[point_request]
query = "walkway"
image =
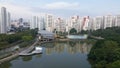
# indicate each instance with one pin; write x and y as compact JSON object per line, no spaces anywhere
{"x":16,"y":54}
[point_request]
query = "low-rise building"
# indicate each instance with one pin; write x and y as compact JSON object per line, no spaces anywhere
{"x":45,"y":35}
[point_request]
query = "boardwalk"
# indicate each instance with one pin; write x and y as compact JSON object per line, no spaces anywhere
{"x":28,"y":50}
{"x":16,"y":54}
{"x":33,"y":52}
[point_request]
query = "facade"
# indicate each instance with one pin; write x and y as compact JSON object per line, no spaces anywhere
{"x":8,"y":21}
{"x":85,"y":23}
{"x":0,"y":23}
{"x":41,"y":23}
{"x":60,"y":25}
{"x":3,"y":24}
{"x":74,"y":22}
{"x":80,"y":24}
{"x":34,"y":22}
{"x":68,"y":24}
{"x":98,"y":22}
{"x":108,"y":20}
{"x":91,"y":24}
{"x":114,"y":21}
{"x":117,"y":20}
{"x":49,"y":21}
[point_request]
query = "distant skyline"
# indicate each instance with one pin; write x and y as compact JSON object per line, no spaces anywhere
{"x":61,"y":8}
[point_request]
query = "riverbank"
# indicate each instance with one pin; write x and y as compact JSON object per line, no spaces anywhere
{"x":16,"y":53}
{"x":66,"y":39}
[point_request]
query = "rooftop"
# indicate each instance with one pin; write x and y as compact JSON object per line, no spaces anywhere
{"x":44,"y":32}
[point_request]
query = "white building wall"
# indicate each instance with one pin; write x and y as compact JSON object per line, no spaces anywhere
{"x":91,"y":23}
{"x":117,"y":22}
{"x":49,"y":22}
{"x":3,"y":23}
{"x":34,"y":22}
{"x":8,"y":21}
{"x":0,"y":23}
{"x":98,"y":22}
{"x":108,"y":21}
{"x":86,"y":23}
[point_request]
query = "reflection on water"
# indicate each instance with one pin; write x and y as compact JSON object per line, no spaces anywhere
{"x":70,"y":54}
{"x":71,"y":47}
{"x":8,"y":50}
{"x":28,"y":58}
{"x":6,"y":65}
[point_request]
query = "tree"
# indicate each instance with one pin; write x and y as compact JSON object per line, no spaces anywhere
{"x":27,"y":38}
{"x":104,"y":51}
{"x":107,"y":50}
{"x":115,"y":64}
{"x":73,"y":31}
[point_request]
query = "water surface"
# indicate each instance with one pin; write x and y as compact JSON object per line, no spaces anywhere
{"x":55,"y":55}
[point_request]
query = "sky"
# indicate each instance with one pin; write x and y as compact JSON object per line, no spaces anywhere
{"x":61,"y":8}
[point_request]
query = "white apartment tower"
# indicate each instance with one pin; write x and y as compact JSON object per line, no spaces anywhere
{"x":0,"y":23}
{"x":98,"y":22}
{"x":49,"y":22}
{"x":91,"y":24}
{"x":75,"y":22}
{"x":41,"y":24}
{"x":61,"y":25}
{"x":108,"y":21}
{"x":8,"y":21}
{"x":85,"y":25}
{"x":34,"y":22}
{"x":117,"y":21}
{"x":3,"y":23}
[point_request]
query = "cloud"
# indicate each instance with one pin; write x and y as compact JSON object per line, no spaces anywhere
{"x":61,"y":5}
{"x":17,"y":11}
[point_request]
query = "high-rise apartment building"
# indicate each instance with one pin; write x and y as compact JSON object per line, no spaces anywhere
{"x":60,"y":25}
{"x":75,"y":22}
{"x":98,"y":22}
{"x":0,"y":23}
{"x":114,"y":21}
{"x":117,"y":20}
{"x":3,"y":23}
{"x":85,"y":25}
{"x":91,"y":24}
{"x":108,"y":21}
{"x":49,"y":21}
{"x":41,"y":23}
{"x":8,"y":21}
{"x":34,"y":22}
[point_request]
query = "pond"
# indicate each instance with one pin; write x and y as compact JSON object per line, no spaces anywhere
{"x":69,"y":54}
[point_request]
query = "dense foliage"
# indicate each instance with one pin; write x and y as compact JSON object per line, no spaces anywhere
{"x":106,"y":53}
{"x":6,"y":39}
{"x":73,"y":31}
{"x":112,"y":33}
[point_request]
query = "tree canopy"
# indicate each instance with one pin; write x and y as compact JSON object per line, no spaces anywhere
{"x":73,"y":31}
{"x":27,"y":35}
{"x":106,"y":53}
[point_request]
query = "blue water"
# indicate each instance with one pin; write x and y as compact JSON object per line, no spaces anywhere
{"x":55,"y":55}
